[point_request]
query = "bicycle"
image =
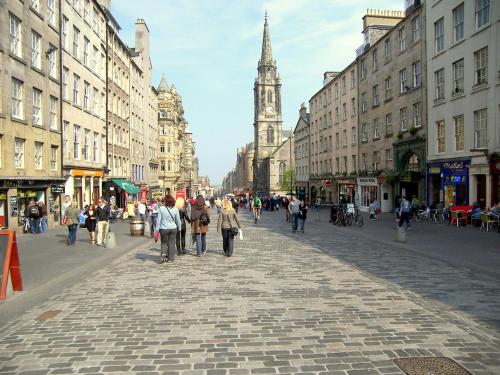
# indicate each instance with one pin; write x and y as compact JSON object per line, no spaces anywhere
{"x":256,"y":214}
{"x":357,"y":218}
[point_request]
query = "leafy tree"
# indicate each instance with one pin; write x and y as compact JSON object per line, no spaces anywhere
{"x":288,"y":180}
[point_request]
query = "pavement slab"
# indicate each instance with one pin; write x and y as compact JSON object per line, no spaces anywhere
{"x":324,"y":302}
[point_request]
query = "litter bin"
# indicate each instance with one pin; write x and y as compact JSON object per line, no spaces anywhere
{"x":136,"y":227}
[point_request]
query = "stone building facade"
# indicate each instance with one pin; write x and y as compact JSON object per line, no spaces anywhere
{"x":463,"y":41}
{"x":392,"y":107}
{"x":83,"y":42}
{"x":30,"y":110}
{"x":301,"y":152}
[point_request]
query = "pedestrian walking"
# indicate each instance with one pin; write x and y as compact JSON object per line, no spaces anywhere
{"x":302,"y":214}
{"x":404,"y":212}
{"x":153,"y":215}
{"x":293,"y":208}
{"x":141,"y":208}
{"x":91,"y":222}
{"x":34,"y":216}
{"x":167,"y":225}
{"x":228,"y":225}
{"x":131,"y":210}
{"x":64,"y":206}
{"x":72,"y":215}
{"x":200,"y":219}
{"x":180,"y":241}
{"x":286,"y":203}
{"x":103,"y":212}
{"x":44,"y":221}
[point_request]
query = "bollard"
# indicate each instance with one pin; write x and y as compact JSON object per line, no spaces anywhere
{"x":110,"y":242}
{"x":401,"y":234}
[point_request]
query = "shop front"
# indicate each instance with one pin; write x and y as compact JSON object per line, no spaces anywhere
{"x":84,"y":186}
{"x":367,"y":191}
{"x":117,"y":191}
{"x":346,"y":190}
{"x":448,"y":182}
{"x":495,"y":182}
{"x":16,"y":195}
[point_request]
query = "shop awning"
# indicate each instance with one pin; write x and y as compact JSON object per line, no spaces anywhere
{"x":126,"y":185}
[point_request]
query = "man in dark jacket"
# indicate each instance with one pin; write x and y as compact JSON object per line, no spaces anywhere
{"x":103,"y":213}
{"x":34,"y":215}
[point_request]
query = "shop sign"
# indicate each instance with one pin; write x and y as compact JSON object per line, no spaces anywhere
{"x":13,"y":205}
{"x":454,"y":180}
{"x":86,"y":173}
{"x":328,"y":183}
{"x":26,"y":193}
{"x":454,"y":165}
{"x":52,"y":210}
{"x":3,"y":196}
{"x":346,"y":182}
{"x":434,"y":170}
{"x":57,"y":189}
{"x":367,"y":181}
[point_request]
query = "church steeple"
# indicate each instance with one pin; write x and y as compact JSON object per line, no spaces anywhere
{"x":266,"y":57}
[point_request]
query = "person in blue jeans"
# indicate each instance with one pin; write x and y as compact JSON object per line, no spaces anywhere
{"x":72,"y":214}
{"x":199,"y":229}
{"x":294,"y":207}
{"x":302,"y":215}
{"x":404,"y":212}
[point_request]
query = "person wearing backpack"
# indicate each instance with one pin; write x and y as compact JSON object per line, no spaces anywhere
{"x":404,"y":212}
{"x":34,"y":216}
{"x":168,"y":224}
{"x":200,"y":219}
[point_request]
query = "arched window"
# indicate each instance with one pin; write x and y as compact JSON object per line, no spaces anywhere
{"x":270,"y":135}
{"x":263,"y":97}
{"x":282,"y":170}
{"x":269,"y":96}
{"x":412,"y":165}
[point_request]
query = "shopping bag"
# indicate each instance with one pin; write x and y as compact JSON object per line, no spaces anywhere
{"x":241,"y":234}
{"x":157,"y":235}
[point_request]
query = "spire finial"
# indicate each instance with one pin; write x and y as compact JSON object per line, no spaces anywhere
{"x":267,"y":55}
{"x":265,"y":17}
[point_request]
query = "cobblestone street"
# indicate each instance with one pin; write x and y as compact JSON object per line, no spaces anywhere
{"x":315,"y":303}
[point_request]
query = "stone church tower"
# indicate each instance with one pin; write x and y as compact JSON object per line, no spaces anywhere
{"x":267,"y":117}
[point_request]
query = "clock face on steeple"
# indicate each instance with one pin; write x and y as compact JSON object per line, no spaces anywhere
{"x":269,"y":109}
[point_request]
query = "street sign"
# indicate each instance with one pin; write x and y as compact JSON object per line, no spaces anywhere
{"x":9,"y":258}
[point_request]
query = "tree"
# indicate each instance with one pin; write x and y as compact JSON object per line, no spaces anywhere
{"x":288,"y":180}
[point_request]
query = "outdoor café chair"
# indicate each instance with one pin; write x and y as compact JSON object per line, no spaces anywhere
{"x":486,"y":221}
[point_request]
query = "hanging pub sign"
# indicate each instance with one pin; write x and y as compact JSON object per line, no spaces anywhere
{"x":57,"y":189}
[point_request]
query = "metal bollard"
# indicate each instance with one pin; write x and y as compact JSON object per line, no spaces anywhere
{"x":110,"y":242}
{"x":401,"y":234}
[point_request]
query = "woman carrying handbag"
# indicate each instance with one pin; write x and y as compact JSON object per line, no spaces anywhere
{"x":228,"y":224}
{"x":167,"y":224}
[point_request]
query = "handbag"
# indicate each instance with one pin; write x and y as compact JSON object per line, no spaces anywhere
{"x":156,"y":235}
{"x":64,"y":220}
{"x":234,"y":231}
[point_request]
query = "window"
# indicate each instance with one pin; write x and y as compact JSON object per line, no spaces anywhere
{"x":86,"y":10}
{"x":270,"y":135}
{"x":353,"y":79}
{"x":162,"y":166}
{"x":35,"y":4}
{"x":36,"y":57}
{"x":76,"y":142}
{"x":95,"y":147}
{"x":375,"y":96}
{"x":403,"y":119}
{"x":76,"y":37}
{"x":53,"y":158}
{"x":169,"y":165}
{"x":374,"y":60}
{"x":65,"y":76}
{"x":439,"y":35}
{"x":481,"y":66}
{"x":86,"y":141}
{"x":52,"y":58}
{"x":344,"y":112}
{"x":344,"y":138}
{"x":376,"y":160}
{"x":458,"y":77}
{"x":388,"y":124}
{"x":354,"y":166}
{"x":282,"y":169}
{"x":387,"y":88}
{"x":337,"y":141}
{"x":336,"y":115}
{"x":439,"y":78}
{"x":480,"y":129}
{"x":482,"y":13}
{"x":415,"y":28}
{"x":51,"y":12}
{"x":353,"y":107}
{"x":86,"y":93}
{"x":66,"y":150}
{"x":402,"y":39}
{"x":459,"y":132}
{"x":343,"y":85}
{"x":440,"y":136}
{"x":103,"y":102}
{"x":363,"y":102}
{"x":458,"y":23}
{"x":17,"y":99}
{"x":103,"y":148}
{"x":95,"y":100}
{"x":38,"y":155}
{"x":76,"y":5}
{"x":162,"y":148}
{"x":53,"y":113}
{"x":403,"y":81}
{"x":417,"y":115}
{"x":95,"y":54}
{"x":363,"y":161}
{"x":162,"y":129}
{"x":336,"y":93}
{"x":76,"y":83}
{"x":363,"y":69}
{"x":388,"y":154}
{"x":19,"y":153}
{"x":417,"y":74}
{"x":376,"y":128}
{"x":387,"y":47}
{"x":15,"y":36}
{"x":354,"y":135}
{"x":269,"y":96}
{"x":86,"y":44}
{"x":64,"y":31}
{"x":364,"y":133}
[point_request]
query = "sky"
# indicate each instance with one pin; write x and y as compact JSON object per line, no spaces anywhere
{"x":209,"y":50}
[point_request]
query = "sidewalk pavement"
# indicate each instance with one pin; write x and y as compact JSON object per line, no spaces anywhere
{"x":49,"y":265}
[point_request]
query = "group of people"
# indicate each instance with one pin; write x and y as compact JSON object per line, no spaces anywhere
{"x":36,"y":220}
{"x":170,"y":227}
{"x":93,"y":218}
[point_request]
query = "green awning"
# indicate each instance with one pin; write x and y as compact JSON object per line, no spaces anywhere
{"x":126,"y":185}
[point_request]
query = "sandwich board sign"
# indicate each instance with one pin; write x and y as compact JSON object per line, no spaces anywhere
{"x":9,"y":263}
